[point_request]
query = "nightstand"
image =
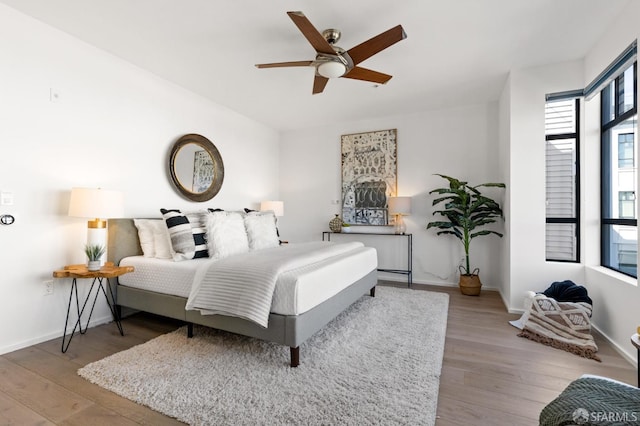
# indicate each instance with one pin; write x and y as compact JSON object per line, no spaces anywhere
{"x":109,"y":270}
{"x":635,"y":341}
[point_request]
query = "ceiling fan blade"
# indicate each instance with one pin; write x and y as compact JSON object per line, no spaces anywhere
{"x":319,"y":84}
{"x":359,"y":73}
{"x":285,"y":64}
{"x":311,"y":33}
{"x":376,"y":44}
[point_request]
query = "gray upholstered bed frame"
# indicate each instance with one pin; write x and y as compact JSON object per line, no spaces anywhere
{"x":289,"y":330}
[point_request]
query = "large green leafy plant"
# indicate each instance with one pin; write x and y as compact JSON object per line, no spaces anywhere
{"x":466,"y":211}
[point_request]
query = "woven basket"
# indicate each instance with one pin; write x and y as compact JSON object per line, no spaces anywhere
{"x":470,"y":284}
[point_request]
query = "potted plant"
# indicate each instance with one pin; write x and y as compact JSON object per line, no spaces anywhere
{"x":346,"y":228}
{"x":467,"y":211}
{"x":94,"y":252}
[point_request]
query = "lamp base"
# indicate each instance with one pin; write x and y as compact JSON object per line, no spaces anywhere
{"x":400,"y":227}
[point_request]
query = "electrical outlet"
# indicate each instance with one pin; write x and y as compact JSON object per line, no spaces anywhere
{"x":48,"y":287}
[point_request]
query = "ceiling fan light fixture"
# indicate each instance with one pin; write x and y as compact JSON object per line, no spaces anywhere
{"x":331,"y":69}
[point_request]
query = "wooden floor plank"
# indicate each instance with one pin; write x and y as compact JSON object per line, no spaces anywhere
{"x":12,"y":412}
{"x":38,"y":393}
{"x":489,"y":374}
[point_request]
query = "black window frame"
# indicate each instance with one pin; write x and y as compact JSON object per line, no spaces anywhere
{"x":605,"y":171}
{"x":576,"y":219}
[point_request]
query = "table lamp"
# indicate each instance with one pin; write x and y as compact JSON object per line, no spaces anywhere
{"x":276,"y":206}
{"x":99,"y":205}
{"x":400,"y":206}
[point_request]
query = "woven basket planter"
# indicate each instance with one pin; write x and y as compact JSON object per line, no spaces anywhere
{"x":470,"y":284}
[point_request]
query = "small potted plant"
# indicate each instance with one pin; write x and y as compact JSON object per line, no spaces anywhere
{"x":466,"y":211}
{"x":346,"y":228}
{"x":94,"y":252}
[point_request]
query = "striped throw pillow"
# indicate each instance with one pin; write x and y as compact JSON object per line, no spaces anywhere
{"x":182,"y":242}
{"x":198,"y":221}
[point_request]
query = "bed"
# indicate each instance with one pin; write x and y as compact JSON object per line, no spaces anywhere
{"x":286,"y":328}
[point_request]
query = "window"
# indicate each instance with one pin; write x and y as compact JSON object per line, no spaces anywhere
{"x":562,"y":180}
{"x":627,"y":204}
{"x":619,"y":136}
{"x":625,"y":150}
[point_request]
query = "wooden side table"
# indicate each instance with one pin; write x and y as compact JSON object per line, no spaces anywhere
{"x":109,"y":270}
{"x":635,"y":340}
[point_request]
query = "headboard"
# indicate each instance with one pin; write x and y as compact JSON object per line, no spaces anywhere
{"x":122,"y":240}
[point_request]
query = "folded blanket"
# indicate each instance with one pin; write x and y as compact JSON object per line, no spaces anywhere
{"x":242,"y":285}
{"x":562,"y":325}
{"x":568,"y":291}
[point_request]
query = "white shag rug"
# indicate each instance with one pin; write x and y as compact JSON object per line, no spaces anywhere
{"x":378,"y":363}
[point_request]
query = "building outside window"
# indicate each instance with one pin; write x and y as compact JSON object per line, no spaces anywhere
{"x":619,"y":137}
{"x":562,"y":180}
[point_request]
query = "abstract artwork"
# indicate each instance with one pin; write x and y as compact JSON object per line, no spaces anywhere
{"x":202,"y":171}
{"x":369,"y":175}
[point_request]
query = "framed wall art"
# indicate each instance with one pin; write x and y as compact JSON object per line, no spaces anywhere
{"x":369,"y":176}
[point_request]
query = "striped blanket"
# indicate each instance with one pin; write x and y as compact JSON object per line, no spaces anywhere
{"x":242,"y":285}
{"x":562,"y":325}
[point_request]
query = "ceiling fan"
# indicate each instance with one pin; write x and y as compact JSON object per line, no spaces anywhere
{"x":332,"y":61}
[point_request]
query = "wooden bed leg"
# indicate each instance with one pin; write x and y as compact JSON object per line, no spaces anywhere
{"x":372,"y":292}
{"x":295,"y":356}
{"x":190,"y":330}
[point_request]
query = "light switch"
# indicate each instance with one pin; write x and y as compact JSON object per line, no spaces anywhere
{"x":6,"y":198}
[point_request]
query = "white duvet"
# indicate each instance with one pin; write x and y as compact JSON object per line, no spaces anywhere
{"x":243,"y":285}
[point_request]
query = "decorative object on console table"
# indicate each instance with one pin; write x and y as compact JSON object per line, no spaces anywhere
{"x":109,"y":270}
{"x":97,"y":204}
{"x":466,"y":211}
{"x":369,"y":175}
{"x":335,"y":224}
{"x":398,"y":207}
{"x":346,"y":228}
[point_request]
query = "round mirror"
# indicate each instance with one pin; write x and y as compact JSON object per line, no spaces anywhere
{"x":196,"y":167}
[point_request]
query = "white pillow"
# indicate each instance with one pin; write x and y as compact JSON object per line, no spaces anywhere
{"x":261,"y":230}
{"x":226,"y":234}
{"x":161,"y":240}
{"x":154,"y":238}
{"x":145,"y":235}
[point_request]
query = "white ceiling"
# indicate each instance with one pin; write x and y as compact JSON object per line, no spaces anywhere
{"x":457,"y":52}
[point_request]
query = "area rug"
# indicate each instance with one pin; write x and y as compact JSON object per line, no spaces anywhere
{"x":377,"y":363}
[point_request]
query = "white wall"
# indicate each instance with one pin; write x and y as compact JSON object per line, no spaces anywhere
{"x":522,"y":104}
{"x":528,"y":269}
{"x":615,"y":296}
{"x":112,"y":127}
{"x":461,"y":142}
{"x":504,"y":134}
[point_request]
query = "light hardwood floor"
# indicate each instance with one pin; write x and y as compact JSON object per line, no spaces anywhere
{"x":489,"y":375}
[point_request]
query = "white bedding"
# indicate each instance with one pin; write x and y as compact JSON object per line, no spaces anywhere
{"x":295,"y":292}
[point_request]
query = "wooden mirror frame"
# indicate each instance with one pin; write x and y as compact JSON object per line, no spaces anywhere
{"x":218,"y":167}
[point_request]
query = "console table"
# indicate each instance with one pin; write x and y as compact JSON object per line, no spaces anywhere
{"x":326,"y":236}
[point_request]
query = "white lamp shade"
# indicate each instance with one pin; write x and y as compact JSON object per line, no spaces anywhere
{"x":96,"y":203}
{"x":276,"y":206}
{"x":400,"y":205}
{"x":332,"y":69}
